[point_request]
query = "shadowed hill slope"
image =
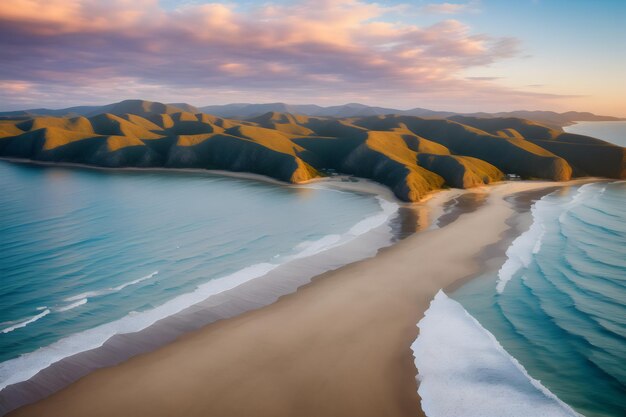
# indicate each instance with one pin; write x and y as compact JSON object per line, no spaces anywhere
{"x":411,"y":155}
{"x":587,"y":156}
{"x":525,"y":128}
{"x":510,"y":155}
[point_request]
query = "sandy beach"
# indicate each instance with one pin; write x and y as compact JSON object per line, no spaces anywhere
{"x":339,"y":346}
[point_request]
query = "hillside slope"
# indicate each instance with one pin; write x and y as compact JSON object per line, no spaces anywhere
{"x":411,"y":155}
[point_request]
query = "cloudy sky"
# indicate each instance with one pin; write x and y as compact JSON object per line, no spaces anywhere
{"x":475,"y":55}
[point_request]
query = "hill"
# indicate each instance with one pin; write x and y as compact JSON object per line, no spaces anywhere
{"x":411,"y":155}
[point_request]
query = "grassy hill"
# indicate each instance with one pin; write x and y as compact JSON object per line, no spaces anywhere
{"x":411,"y":155}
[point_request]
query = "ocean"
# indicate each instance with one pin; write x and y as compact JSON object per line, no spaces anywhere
{"x":86,"y":254}
{"x":546,"y":333}
{"x":609,"y":131}
{"x":558,"y":304}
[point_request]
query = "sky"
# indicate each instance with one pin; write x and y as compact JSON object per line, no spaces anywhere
{"x":465,"y":56}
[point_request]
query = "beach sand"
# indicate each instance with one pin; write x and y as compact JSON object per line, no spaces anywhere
{"x":339,"y":346}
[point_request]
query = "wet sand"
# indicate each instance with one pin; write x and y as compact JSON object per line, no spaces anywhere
{"x":339,"y":346}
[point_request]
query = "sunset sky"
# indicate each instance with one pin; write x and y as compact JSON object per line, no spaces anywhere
{"x":480,"y":55}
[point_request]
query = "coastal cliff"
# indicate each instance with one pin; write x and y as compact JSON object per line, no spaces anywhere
{"x":411,"y":155}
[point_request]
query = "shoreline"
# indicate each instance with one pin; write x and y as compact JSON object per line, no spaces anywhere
{"x":399,"y":263}
{"x":258,"y":292}
{"x":338,"y":182}
{"x":608,"y":130}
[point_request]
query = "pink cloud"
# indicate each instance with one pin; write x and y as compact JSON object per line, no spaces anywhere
{"x":347,"y":48}
{"x":13,"y":86}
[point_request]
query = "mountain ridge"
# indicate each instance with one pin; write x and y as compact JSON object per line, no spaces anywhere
{"x":250,"y":110}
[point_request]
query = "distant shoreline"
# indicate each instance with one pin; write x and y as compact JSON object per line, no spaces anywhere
{"x":610,"y":131}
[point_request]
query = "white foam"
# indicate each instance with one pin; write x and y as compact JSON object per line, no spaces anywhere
{"x":111,"y":290}
{"x":87,"y":294}
{"x":520,"y":253}
{"x":73,"y":305}
{"x":464,"y":371}
{"x":539,"y":241}
{"x":309,"y":248}
{"x":25,"y":322}
{"x":27,"y":365}
{"x":133,"y":282}
{"x":388,"y":209}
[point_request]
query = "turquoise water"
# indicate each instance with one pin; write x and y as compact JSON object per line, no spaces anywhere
{"x":558,"y":304}
{"x":87,"y":253}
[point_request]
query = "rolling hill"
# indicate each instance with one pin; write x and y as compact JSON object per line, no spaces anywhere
{"x":411,"y":155}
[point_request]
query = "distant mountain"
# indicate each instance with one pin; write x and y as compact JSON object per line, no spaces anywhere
{"x":139,"y":107}
{"x":354,"y":110}
{"x":185,"y":107}
{"x":70,"y":111}
{"x":142,"y":108}
{"x":548,"y":118}
{"x":247,"y":111}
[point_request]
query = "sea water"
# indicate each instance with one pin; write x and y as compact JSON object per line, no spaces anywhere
{"x":464,"y":371}
{"x":86,"y":254}
{"x":614,"y":132}
{"x":558,"y":304}
{"x":545,"y":335}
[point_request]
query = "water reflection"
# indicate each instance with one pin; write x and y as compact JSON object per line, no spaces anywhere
{"x":465,"y":203}
{"x":410,"y":219}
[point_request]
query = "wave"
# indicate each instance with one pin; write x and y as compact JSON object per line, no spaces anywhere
{"x":73,"y":305}
{"x":133,"y":282}
{"x":87,"y":294}
{"x":26,"y":322}
{"x":520,"y":253}
{"x":309,"y":248}
{"x":388,"y":209}
{"x":27,"y":365}
{"x":107,"y":291}
{"x":454,"y":353}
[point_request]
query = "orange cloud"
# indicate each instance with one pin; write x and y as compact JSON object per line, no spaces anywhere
{"x":14,"y":86}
